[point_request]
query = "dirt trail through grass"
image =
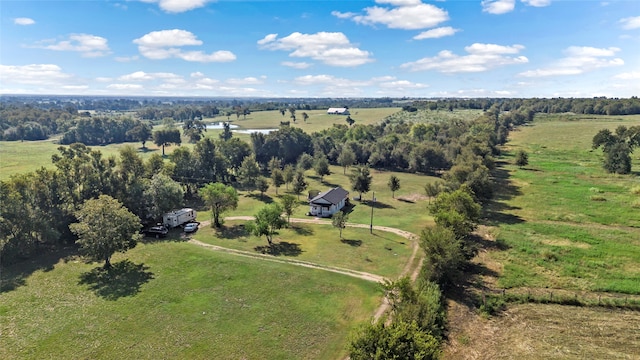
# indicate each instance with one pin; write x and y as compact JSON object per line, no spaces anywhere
{"x":412,"y":268}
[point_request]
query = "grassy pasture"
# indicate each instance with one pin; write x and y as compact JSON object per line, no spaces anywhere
{"x":177,"y":300}
{"x":566,"y":222}
{"x":381,"y":253}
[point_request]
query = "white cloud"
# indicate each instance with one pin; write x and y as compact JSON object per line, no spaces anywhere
{"x":178,"y":6}
{"x":125,"y":59}
{"x":405,"y":14}
{"x":33,"y":74}
{"x":482,"y":57}
{"x":296,"y":65}
{"x":633,"y":75}
{"x":199,"y":56}
{"x":144,"y":76}
{"x":630,"y":23}
{"x":330,"y":48}
{"x":168,"y":38}
{"x":23,"y":21}
{"x":402,"y":85}
{"x":245,"y":81}
{"x":475,"y":93}
{"x":87,"y":45}
{"x":498,"y":7}
{"x":537,"y":3}
{"x":588,"y":51}
{"x":165,"y":44}
{"x":436,"y":33}
{"x":579,"y":59}
{"x":125,"y":87}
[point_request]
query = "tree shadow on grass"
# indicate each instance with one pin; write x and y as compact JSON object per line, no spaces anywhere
{"x":301,"y":230}
{"x":282,"y":248}
{"x":123,"y":279}
{"x":15,"y":275}
{"x":264,"y":198}
{"x":406,"y":200}
{"x":350,"y":242}
{"x":231,"y":232}
{"x":378,"y":204}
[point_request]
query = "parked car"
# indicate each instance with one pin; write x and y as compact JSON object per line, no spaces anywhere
{"x":158,"y":231}
{"x":191,"y":227}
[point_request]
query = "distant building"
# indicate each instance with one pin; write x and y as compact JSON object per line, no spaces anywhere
{"x":338,"y":111}
{"x":329,"y":202}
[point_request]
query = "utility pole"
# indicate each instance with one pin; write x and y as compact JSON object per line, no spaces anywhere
{"x":373,"y":201}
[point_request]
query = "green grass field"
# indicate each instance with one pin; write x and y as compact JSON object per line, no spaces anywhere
{"x":565,"y":227}
{"x":382,"y":253}
{"x":568,"y":224}
{"x":178,"y":300}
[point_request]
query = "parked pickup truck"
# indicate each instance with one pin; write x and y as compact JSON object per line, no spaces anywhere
{"x":158,"y":231}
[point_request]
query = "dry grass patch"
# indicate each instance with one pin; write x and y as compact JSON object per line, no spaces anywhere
{"x":533,"y":331}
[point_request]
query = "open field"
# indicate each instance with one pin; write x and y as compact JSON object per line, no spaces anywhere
{"x":561,"y":225}
{"x":178,"y":300}
{"x":567,"y":223}
{"x":381,"y":253}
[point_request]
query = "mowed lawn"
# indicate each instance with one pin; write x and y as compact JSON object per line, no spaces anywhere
{"x":408,"y":210}
{"x":566,"y":223}
{"x":177,"y":300}
{"x":382,"y":253}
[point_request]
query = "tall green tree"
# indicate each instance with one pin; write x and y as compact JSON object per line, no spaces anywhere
{"x":305,"y":116}
{"x":394,"y":185}
{"x":617,"y":147}
{"x":321,"y":166}
{"x":522,"y":158}
{"x":105,"y":226}
{"x":398,"y":340}
{"x":339,"y":220}
{"x":166,"y":138}
{"x":226,"y":132}
{"x":457,"y":211}
{"x":360,"y":180}
{"x":346,"y":158}
{"x":262,"y":185}
{"x":219,"y":198}
{"x":289,"y":204}
{"x":277,"y":179}
{"x":267,"y":222}
{"x":289,"y":173}
{"x":444,"y":255}
{"x":142,"y":133}
{"x":162,"y":195}
{"x":249,"y":172}
{"x":299,"y":183}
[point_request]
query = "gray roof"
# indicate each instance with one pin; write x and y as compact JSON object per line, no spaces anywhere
{"x":334,"y":196}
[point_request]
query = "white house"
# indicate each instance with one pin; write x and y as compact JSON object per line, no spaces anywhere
{"x":338,"y":111}
{"x":329,"y":202}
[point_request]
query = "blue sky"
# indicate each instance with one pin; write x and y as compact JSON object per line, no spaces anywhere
{"x":266,"y":48}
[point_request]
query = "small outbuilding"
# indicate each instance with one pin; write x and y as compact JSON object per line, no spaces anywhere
{"x":338,"y":111}
{"x":329,"y":202}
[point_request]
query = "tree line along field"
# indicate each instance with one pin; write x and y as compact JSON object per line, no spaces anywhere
{"x":564,"y":228}
{"x":19,"y":157}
